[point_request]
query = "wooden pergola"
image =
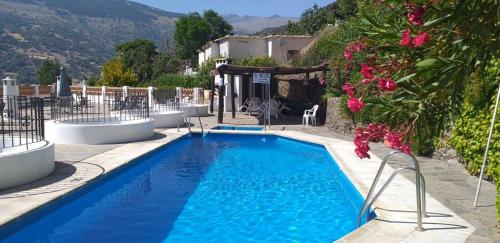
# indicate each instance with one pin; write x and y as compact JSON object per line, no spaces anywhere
{"x":246,"y":70}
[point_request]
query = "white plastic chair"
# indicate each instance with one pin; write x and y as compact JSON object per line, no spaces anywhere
{"x":253,"y":105}
{"x":245,"y":105}
{"x":310,"y":114}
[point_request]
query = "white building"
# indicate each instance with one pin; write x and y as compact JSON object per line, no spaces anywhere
{"x":282,"y":48}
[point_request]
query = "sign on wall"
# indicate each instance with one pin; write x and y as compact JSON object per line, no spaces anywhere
{"x":261,"y":78}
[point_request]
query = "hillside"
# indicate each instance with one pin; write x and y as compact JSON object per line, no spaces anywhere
{"x":82,"y":33}
{"x":251,"y":24}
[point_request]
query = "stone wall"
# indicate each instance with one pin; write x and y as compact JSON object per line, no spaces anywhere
{"x":292,"y":89}
{"x":300,"y":97}
{"x":334,"y":119}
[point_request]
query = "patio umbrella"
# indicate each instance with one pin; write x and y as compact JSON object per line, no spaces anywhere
{"x":64,"y":89}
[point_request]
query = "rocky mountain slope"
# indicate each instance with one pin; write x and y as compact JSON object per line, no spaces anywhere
{"x":82,"y":33}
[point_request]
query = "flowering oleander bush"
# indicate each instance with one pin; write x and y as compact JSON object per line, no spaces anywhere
{"x":417,"y":60}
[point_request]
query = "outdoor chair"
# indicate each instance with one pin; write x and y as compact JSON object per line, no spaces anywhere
{"x":282,"y":107}
{"x":310,"y":114}
{"x":245,"y":105}
{"x":254,"y":105}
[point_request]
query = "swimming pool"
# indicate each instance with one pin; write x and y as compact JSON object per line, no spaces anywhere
{"x":240,"y":128}
{"x":212,"y":188}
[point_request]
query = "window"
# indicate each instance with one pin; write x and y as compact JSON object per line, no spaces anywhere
{"x":291,"y":54}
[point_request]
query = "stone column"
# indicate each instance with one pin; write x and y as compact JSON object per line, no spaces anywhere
{"x":150,"y":95}
{"x":178,"y":93}
{"x":84,"y":89}
{"x":196,"y":95}
{"x":10,"y":91}
{"x":125,"y":91}
{"x":103,"y":93}
{"x":36,"y":87}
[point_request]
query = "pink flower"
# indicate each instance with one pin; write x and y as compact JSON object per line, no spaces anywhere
{"x":322,"y":80}
{"x":349,"y":89}
{"x":355,"y":105}
{"x":415,"y":14}
{"x":406,"y":39}
{"x":393,"y":140}
{"x":422,"y":39}
{"x":366,"y":71}
{"x":366,"y":81}
{"x":347,"y":54}
{"x":357,"y":47}
{"x":387,"y":84}
{"x":376,"y":131}
{"x":362,"y":153}
{"x":405,"y":149}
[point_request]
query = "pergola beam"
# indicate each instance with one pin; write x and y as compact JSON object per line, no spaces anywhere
{"x":232,"y":70}
{"x":244,"y":70}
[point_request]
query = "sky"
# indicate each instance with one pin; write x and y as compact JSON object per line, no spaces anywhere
{"x":285,"y":8}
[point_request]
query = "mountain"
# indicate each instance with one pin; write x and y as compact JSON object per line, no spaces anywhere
{"x":251,"y":24}
{"x":82,"y":34}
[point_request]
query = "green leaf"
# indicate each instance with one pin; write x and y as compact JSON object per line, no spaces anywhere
{"x":430,"y":62}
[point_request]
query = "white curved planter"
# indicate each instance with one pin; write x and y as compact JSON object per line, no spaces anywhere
{"x":167,"y":119}
{"x":190,"y":109}
{"x":19,"y":166}
{"x":99,"y":132}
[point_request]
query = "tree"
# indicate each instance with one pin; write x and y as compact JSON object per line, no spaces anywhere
{"x":165,"y":63}
{"x":311,"y":21}
{"x":218,"y":26}
{"x":116,"y":74}
{"x":47,"y":73}
{"x":203,"y":77}
{"x":346,"y":8}
{"x":139,"y":56}
{"x":193,"y":31}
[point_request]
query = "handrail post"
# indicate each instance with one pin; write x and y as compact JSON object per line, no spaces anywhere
{"x":419,"y":184}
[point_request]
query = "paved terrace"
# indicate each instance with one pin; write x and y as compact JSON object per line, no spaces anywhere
{"x":448,"y":183}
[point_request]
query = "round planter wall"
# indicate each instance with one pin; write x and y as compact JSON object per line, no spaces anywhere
{"x":190,"y":109}
{"x":99,"y":132}
{"x":19,"y":166}
{"x":167,"y":119}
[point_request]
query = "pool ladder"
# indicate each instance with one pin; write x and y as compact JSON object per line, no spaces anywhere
{"x":187,"y":121}
{"x":419,"y":184}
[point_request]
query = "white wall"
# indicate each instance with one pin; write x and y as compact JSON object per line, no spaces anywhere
{"x":281,"y":46}
{"x":224,"y":49}
{"x":201,"y":58}
{"x":241,"y":48}
{"x":99,"y":132}
{"x":27,"y":166}
{"x":276,"y":47}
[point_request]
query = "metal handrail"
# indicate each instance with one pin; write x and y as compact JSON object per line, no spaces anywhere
{"x":188,"y":123}
{"x":199,"y":120}
{"x":419,"y":183}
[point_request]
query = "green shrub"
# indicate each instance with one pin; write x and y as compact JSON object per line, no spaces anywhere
{"x":469,"y":138}
{"x":262,"y":61}
{"x":471,"y":127}
{"x":173,"y":80}
{"x":202,"y":76}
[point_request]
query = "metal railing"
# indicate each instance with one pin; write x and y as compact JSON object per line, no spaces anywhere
{"x":419,"y":183}
{"x":164,"y":99}
{"x":22,"y":121}
{"x":97,"y":108}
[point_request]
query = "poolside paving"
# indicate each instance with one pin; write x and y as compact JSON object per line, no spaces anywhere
{"x":77,"y":165}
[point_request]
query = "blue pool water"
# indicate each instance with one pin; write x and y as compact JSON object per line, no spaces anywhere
{"x":238,"y":128}
{"x":212,"y":188}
